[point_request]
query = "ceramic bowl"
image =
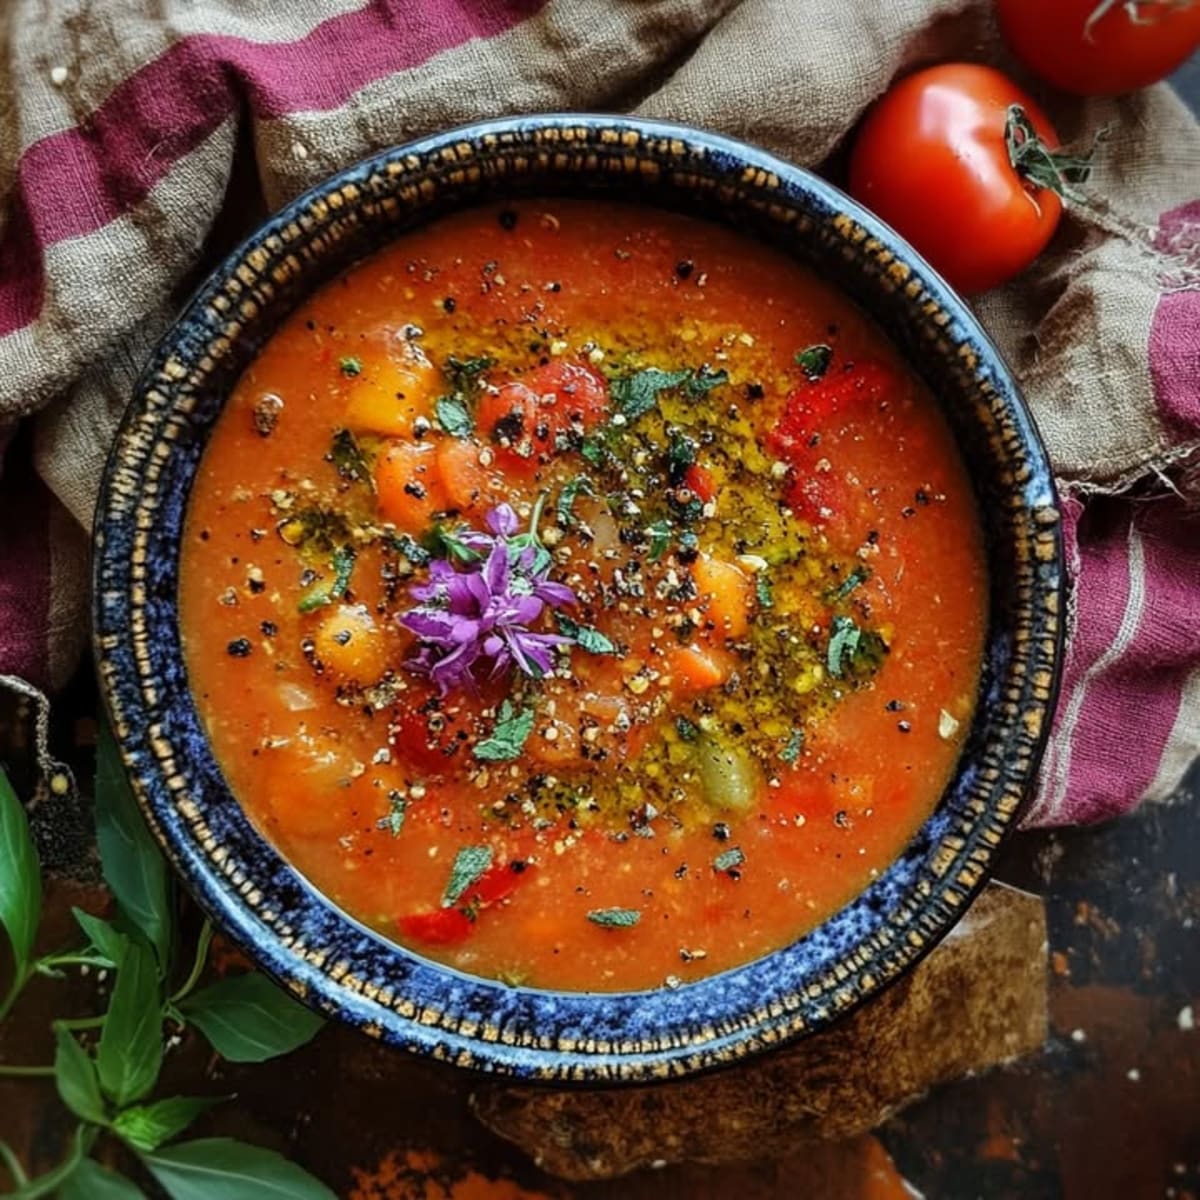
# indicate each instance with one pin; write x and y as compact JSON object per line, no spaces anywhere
{"x":357,"y":976}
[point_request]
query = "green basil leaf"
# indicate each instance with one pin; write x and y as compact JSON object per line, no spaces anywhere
{"x":615,"y":918}
{"x":513,"y":727}
{"x":105,"y":938}
{"x":814,"y":361}
{"x":75,"y":1078}
{"x":147,"y":1126}
{"x":131,"y":1044}
{"x":636,"y":394}
{"x":469,"y":864}
{"x":222,"y":1169}
{"x":91,"y":1181}
{"x":20,"y":878}
{"x":247,"y":1018}
{"x":133,"y":865}
{"x":454,"y":416}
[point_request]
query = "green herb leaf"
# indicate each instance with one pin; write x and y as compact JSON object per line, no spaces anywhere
{"x":762,"y":589}
{"x":223,"y":1169}
{"x":247,"y":1018}
{"x":594,"y":450}
{"x":454,"y":416}
{"x":688,"y":731}
{"x":397,"y":811}
{"x":350,"y":365}
{"x":614,"y":918}
{"x":701,"y":382}
{"x":844,"y":637}
{"x":729,"y":859}
{"x":329,"y":590}
{"x":660,"y":539}
{"x":411,"y":549}
{"x":463,"y":373}
{"x":860,"y":574}
{"x":814,"y":361}
{"x":75,"y":1077}
{"x":20,"y":879}
{"x":133,"y":865}
{"x":106,"y":939}
{"x":513,"y":726}
{"x":681,"y":454}
{"x":795,"y":743}
{"x":146,"y":1127}
{"x":131,"y":1046}
{"x":591,"y":640}
{"x":348,"y":458}
{"x":580,"y":485}
{"x":91,"y":1181}
{"x":444,"y":543}
{"x":636,"y":394}
{"x":469,"y":864}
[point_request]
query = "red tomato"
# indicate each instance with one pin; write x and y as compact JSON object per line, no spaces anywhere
{"x":932,"y":160}
{"x":429,"y":731}
{"x":811,"y":410}
{"x":450,"y":926}
{"x":1098,"y":48}
{"x":525,"y":416}
{"x":700,"y":480}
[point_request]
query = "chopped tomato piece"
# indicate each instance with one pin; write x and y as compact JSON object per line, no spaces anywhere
{"x":695,"y":669}
{"x":701,"y":482}
{"x":468,"y":484}
{"x":452,"y":925}
{"x":525,"y":416}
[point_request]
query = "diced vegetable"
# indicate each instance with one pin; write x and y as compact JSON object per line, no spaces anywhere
{"x":696,"y":669}
{"x":727,"y":774}
{"x":388,"y":395}
{"x":726,"y":593}
{"x":409,"y":486}
{"x":349,"y":643}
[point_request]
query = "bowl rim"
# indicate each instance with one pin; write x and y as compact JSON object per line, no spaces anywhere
{"x":542,"y":1034}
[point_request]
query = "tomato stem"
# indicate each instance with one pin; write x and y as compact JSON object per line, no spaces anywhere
{"x":1033,"y":160}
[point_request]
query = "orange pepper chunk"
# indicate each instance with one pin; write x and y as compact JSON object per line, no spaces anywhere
{"x":409,"y":487}
{"x":391,"y":391}
{"x":694,"y":669}
{"x":726,"y":592}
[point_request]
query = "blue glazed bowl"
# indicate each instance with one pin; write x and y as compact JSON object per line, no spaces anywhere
{"x":352,"y":973}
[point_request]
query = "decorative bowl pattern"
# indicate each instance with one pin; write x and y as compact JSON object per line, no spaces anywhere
{"x":354,"y":974}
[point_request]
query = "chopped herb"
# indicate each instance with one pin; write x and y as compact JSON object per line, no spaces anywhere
{"x":703,"y":381}
{"x":688,"y":731}
{"x":859,"y":575}
{"x":566,"y":498}
{"x":317,"y":526}
{"x":327,"y":591}
{"x":454,"y":416}
{"x":660,"y":539}
{"x":814,"y":361}
{"x":637,"y":394}
{"x":463,"y":373}
{"x":397,"y":810}
{"x":441,"y":542}
{"x":843,"y":642}
{"x":762,"y":589}
{"x":728,"y":859}
{"x":512,"y":729}
{"x":350,"y":366}
{"x":591,"y":640}
{"x":469,"y":864}
{"x":594,"y":450}
{"x":791,"y":751}
{"x":347,"y":457}
{"x":614,"y":918}
{"x":411,"y":549}
{"x":681,"y":454}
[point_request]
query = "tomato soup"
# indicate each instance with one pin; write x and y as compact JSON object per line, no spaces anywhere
{"x":584,"y":596}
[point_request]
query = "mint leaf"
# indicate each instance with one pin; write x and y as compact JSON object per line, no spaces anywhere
{"x":131,"y":1047}
{"x":513,"y":727}
{"x":859,"y":575}
{"x":350,"y":365}
{"x":584,"y":636}
{"x":703,"y":381}
{"x":20,"y":879}
{"x":814,"y":361}
{"x":454,"y":416}
{"x":660,"y":539}
{"x":224,"y":1169}
{"x":615,"y":918}
{"x":463,"y":373}
{"x":247,"y":1018}
{"x":348,"y":459}
{"x":688,"y":731}
{"x":75,"y":1078}
{"x":795,"y":743}
{"x":133,"y":865}
{"x":327,"y":591}
{"x":469,"y":864}
{"x":843,"y":642}
{"x":762,"y":590}
{"x":580,"y":485}
{"x":146,"y":1127}
{"x":635,"y":395}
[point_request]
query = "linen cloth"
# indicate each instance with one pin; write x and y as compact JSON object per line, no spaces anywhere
{"x":133,"y":131}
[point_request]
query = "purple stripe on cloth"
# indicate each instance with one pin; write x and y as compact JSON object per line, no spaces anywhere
{"x":24,"y":573}
{"x":73,"y":182}
{"x":1137,"y":640}
{"x":1175,"y":332}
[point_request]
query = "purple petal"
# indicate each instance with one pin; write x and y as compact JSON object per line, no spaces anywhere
{"x":502,"y":520}
{"x":557,"y":595}
{"x":495,"y":571}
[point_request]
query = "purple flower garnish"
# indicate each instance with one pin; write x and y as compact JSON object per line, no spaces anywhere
{"x":480,"y":613}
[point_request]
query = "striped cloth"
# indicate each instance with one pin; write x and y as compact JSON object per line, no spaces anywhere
{"x":138,"y":135}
